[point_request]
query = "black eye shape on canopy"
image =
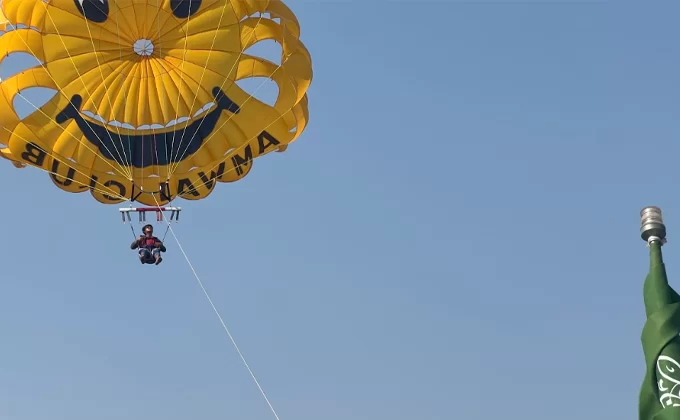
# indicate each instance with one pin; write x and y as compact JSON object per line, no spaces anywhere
{"x":94,"y":10}
{"x":98,"y":10}
{"x":184,"y":8}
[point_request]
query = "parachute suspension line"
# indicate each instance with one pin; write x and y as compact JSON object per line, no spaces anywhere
{"x":224,"y":325}
{"x":82,"y":143}
{"x":166,"y":232}
{"x":110,"y":192}
{"x":235,"y":150}
{"x":179,"y":88}
{"x":250,"y":96}
{"x":162,"y":89}
{"x":163,"y":100}
{"x":132,"y":197}
{"x":120,"y":168}
{"x":141,"y":212}
{"x":200,"y":83}
{"x":106,"y":87}
{"x":186,"y":148}
{"x":87,"y":90}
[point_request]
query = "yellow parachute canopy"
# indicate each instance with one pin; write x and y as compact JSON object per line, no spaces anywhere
{"x":145,"y":93}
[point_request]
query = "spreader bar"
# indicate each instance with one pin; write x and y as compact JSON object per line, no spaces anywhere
{"x":125,"y":213}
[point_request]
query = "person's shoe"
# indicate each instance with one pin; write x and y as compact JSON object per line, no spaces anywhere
{"x":158,"y":260}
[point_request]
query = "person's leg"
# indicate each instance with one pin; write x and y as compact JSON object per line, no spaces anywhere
{"x":144,"y":255}
{"x":157,"y":255}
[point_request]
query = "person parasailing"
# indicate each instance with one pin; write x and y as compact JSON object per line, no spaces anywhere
{"x":150,"y":247}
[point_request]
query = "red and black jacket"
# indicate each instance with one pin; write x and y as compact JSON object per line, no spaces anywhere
{"x":147,"y":243}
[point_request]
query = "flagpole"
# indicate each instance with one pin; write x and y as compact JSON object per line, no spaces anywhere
{"x":660,"y":392}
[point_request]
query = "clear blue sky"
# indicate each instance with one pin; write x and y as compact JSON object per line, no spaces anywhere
{"x":455,"y":236}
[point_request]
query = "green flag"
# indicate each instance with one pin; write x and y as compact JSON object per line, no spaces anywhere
{"x":660,"y":393}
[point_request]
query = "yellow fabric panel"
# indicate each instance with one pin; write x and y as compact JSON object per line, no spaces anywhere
{"x":147,"y":95}
{"x":24,"y":12}
{"x":21,"y":41}
{"x":33,"y":77}
{"x":3,"y":19}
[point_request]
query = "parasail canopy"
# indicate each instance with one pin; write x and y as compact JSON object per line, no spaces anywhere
{"x":146,"y":103}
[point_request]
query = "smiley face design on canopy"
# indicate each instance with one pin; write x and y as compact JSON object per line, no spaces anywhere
{"x":146,"y":104}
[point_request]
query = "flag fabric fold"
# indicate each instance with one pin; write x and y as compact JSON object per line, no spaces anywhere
{"x":660,"y":392}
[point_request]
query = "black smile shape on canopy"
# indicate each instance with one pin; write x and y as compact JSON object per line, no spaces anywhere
{"x":144,"y":150}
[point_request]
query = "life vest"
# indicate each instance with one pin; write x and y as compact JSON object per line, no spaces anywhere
{"x":148,"y":243}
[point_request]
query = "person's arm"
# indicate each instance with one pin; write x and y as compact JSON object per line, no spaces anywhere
{"x":159,"y":245}
{"x":135,"y":244}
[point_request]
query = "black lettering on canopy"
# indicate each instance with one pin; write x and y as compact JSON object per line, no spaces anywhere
{"x":265,"y":136}
{"x":209,"y":181}
{"x":70,"y":175}
{"x":121,"y":189}
{"x":184,"y":185}
{"x":93,"y":182}
{"x":34,"y":154}
{"x":164,"y":191}
{"x":239,"y":161}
